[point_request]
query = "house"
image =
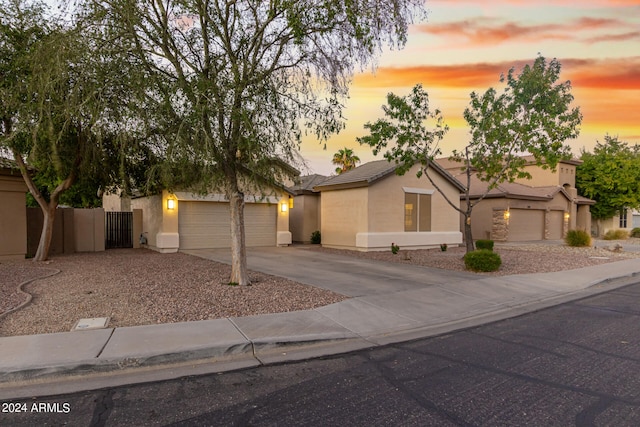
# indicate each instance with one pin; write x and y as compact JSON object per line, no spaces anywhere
{"x":13,"y":211}
{"x":370,"y":207}
{"x":544,"y":207}
{"x":183,"y":220}
{"x":305,"y":217}
{"x":627,"y":220}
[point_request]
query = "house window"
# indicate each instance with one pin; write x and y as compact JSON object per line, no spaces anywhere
{"x":623,"y":218}
{"x":417,"y":212}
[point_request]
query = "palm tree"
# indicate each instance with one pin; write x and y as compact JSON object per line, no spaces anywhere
{"x":345,"y":159}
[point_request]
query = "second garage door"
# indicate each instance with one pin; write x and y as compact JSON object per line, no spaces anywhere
{"x":204,"y":225}
{"x":525,"y":224}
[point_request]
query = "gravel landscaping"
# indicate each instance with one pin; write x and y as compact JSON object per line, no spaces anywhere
{"x":141,"y":287}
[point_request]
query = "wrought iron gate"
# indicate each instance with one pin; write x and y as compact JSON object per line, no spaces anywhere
{"x":119,"y":230}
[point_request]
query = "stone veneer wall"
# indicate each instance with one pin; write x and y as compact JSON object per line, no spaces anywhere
{"x":500,"y":226}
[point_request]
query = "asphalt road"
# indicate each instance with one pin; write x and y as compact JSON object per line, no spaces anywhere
{"x":573,"y":364}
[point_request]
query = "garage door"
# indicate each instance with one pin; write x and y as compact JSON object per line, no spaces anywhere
{"x":525,"y":225}
{"x":205,"y":225}
{"x":556,"y":218}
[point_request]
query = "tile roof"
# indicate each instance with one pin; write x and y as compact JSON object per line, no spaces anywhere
{"x":306,"y":184}
{"x":370,"y":172}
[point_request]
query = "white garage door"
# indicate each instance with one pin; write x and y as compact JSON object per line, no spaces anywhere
{"x":205,"y":225}
{"x":525,"y":224}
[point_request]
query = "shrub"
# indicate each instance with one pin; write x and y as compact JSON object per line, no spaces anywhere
{"x":315,"y":238}
{"x":616,"y":235}
{"x":484,"y":244}
{"x":394,"y":248}
{"x":635,"y":232}
{"x":577,"y":238}
{"x":443,"y":247}
{"x":482,"y":260}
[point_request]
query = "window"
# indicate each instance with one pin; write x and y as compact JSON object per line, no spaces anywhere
{"x":417,"y":212}
{"x":623,"y":218}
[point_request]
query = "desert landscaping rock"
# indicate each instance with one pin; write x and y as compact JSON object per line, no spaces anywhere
{"x":142,"y":287}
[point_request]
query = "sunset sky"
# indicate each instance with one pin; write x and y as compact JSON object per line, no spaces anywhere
{"x":464,"y":46}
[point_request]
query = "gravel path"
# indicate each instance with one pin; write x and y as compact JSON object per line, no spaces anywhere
{"x":141,"y":287}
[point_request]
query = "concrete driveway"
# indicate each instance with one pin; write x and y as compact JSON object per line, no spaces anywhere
{"x":345,"y":275}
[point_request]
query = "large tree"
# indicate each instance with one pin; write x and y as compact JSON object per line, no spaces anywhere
{"x":611,"y":176}
{"x":532,"y":115}
{"x":59,"y":98}
{"x":231,"y":85}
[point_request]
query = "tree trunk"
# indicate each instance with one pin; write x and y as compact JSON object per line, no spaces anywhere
{"x":47,"y":232}
{"x":239,"y":273}
{"x":468,"y":238}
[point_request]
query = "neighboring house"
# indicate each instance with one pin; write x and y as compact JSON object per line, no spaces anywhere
{"x":370,"y":207}
{"x":542,"y":208}
{"x":13,"y":211}
{"x":628,"y":220}
{"x":305,"y":217}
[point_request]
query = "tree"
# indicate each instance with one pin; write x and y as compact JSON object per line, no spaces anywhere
{"x":345,"y":160}
{"x":231,"y":85}
{"x":532,"y":115}
{"x":55,"y":109}
{"x":611,"y":176}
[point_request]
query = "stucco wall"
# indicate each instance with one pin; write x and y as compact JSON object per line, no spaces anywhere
{"x":151,"y":218}
{"x":564,"y":174}
{"x":344,"y":213}
{"x":305,"y":216}
{"x":13,"y":217}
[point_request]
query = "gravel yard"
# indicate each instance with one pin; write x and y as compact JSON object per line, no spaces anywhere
{"x":141,"y":287}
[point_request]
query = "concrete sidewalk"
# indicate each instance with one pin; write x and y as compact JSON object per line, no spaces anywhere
{"x":390,"y":303}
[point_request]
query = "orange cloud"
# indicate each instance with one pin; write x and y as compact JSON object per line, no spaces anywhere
{"x":482,"y":31}
{"x":619,"y":73}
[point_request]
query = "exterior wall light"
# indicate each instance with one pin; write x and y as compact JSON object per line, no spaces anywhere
{"x":171,"y":204}
{"x":566,"y":216}
{"x":507,"y":214}
{"x":283,"y":207}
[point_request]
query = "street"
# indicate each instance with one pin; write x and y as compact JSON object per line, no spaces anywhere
{"x":574,"y":364}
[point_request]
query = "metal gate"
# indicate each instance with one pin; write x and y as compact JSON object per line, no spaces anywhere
{"x":119,"y":230}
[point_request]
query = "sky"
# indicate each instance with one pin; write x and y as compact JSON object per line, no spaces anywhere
{"x":464,"y":46}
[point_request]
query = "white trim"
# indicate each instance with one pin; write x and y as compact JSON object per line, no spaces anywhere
{"x":407,"y":240}
{"x":417,"y":190}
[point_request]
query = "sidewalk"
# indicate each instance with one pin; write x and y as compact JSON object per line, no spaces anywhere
{"x":391,"y":303}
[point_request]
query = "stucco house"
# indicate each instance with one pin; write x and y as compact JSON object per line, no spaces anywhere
{"x":305,"y":217}
{"x":13,"y":211}
{"x":370,"y":207}
{"x":627,"y":220}
{"x":183,"y":220}
{"x":541,"y":208}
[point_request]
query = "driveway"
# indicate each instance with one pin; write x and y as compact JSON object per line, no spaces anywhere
{"x":342,"y":274}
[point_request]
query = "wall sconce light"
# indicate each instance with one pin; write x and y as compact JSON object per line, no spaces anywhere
{"x":171,"y":204}
{"x":284,"y":206}
{"x":290,"y":202}
{"x":507,"y":214}
{"x":566,"y":216}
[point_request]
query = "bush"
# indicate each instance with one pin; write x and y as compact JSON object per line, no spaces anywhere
{"x":616,"y":235}
{"x":443,"y":247}
{"x":394,"y":248}
{"x":315,"y":238}
{"x":577,"y":238}
{"x":484,"y":244}
{"x":482,"y":260}
{"x":635,"y":232}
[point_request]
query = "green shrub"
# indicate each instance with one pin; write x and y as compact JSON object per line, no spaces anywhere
{"x":577,"y":238}
{"x":484,"y":244}
{"x":482,"y":260}
{"x":443,"y":247}
{"x":635,"y":232}
{"x":315,"y":238}
{"x":616,"y":235}
{"x":394,"y":248}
